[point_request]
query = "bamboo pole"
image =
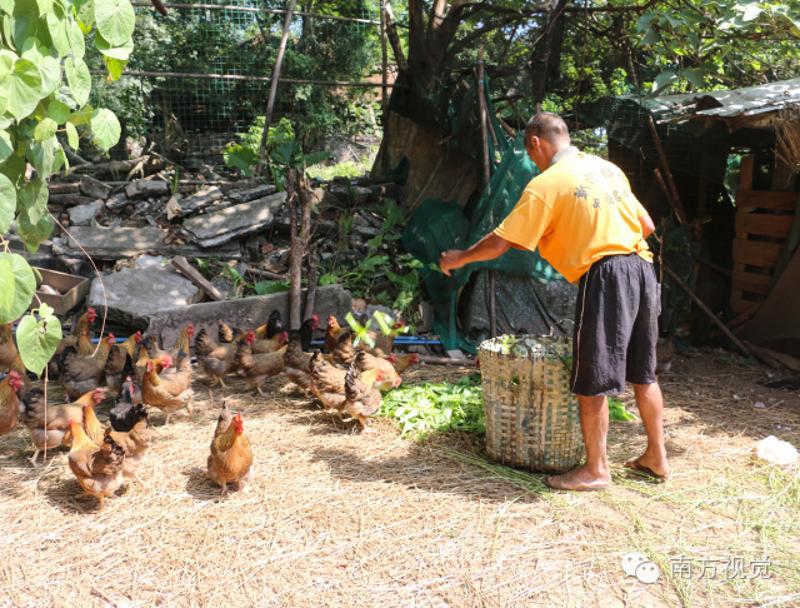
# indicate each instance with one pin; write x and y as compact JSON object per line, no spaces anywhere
{"x":273,"y":87}
{"x":487,"y":176}
{"x":710,"y":314}
{"x":670,"y":181}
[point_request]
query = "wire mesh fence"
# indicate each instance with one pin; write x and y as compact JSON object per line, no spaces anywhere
{"x":206,"y":67}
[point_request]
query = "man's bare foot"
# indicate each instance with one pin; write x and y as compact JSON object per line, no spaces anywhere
{"x":652,"y":466}
{"x":579,"y":480}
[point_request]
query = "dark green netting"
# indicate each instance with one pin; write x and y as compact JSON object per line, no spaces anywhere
{"x":438,"y":225}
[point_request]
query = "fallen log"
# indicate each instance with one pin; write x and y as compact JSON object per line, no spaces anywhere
{"x":191,"y":273}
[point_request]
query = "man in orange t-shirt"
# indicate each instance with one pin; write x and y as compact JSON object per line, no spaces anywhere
{"x":581,"y":214}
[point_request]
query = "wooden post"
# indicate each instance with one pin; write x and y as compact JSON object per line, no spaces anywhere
{"x":299,"y":201}
{"x":487,"y":176}
{"x":311,"y":292}
{"x":273,"y":86}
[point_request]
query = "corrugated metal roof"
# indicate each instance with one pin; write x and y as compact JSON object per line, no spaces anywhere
{"x":749,"y":101}
{"x":735,"y":103}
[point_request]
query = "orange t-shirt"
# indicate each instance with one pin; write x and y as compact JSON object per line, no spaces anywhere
{"x":579,"y":210}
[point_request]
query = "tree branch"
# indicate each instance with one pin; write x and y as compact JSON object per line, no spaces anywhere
{"x":394,"y":39}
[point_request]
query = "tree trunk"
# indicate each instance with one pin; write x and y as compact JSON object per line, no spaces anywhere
{"x":546,"y":56}
{"x":299,"y":200}
{"x":415,"y":137}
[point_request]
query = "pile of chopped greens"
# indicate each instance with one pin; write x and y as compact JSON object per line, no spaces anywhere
{"x":437,"y":407}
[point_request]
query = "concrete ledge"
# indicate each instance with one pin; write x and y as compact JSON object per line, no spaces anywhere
{"x":245,"y":313}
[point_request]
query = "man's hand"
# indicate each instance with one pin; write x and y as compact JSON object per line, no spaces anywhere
{"x":451,"y":260}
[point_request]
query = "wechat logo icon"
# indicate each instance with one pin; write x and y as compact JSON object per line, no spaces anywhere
{"x":636,"y":564}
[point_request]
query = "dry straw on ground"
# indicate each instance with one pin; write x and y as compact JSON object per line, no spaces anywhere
{"x":340,"y":519}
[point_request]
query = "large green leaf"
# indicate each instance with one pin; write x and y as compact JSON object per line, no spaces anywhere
{"x":115,"y":67}
{"x":122,"y":52}
{"x":79,"y":79}
{"x":105,"y":128}
{"x":72,"y":136}
{"x":46,"y":128}
{"x":24,"y":88}
{"x":17,"y":286}
{"x":49,"y":68}
{"x":6,"y":149}
{"x":85,"y":10}
{"x":7,"y":59}
{"x":33,"y":199}
{"x":34,"y":233}
{"x":57,"y":25}
{"x":76,"y":39}
{"x":38,"y":339}
{"x":8,"y":203}
{"x":115,"y":20}
{"x":7,"y":6}
{"x":42,"y":156}
{"x":25,"y":22}
{"x":45,"y":6}
{"x":58,"y":111}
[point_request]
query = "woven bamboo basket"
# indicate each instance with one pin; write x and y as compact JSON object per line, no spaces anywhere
{"x":531,"y":416}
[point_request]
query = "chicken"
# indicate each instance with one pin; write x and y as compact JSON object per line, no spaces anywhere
{"x":120,"y":363}
{"x":231,"y":458}
{"x":9,"y":401}
{"x":81,"y":334}
{"x":258,"y":367}
{"x":120,"y":416}
{"x":82,"y":373}
{"x":98,"y":469}
{"x":134,"y":440}
{"x":362,"y":397}
{"x":307,"y":329}
{"x":180,"y":369}
{"x":227,"y":334}
{"x":272,"y":328}
{"x":217,"y":360}
{"x":327,"y":382}
{"x":167,"y":393}
{"x":9,"y":356}
{"x":297,"y":364}
{"x":332,"y":333}
{"x":91,"y":425}
{"x":270,"y":345}
{"x":403,"y":362}
{"x":345,"y":354}
{"x":59,"y":417}
{"x":183,"y":343}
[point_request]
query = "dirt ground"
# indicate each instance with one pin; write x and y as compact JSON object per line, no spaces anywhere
{"x":341,"y":519}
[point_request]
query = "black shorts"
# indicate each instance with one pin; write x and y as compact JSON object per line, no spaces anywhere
{"x":616,"y":326}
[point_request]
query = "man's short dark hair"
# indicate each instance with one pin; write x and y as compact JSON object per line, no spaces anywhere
{"x":547,"y":125}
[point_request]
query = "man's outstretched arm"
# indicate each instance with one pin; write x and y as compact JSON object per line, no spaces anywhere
{"x":648,"y":227}
{"x":488,"y":248}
